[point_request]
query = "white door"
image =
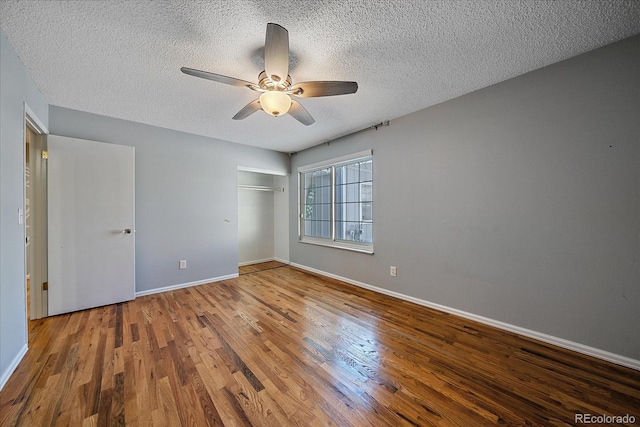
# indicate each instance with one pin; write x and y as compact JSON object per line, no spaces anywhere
{"x":90,"y":224}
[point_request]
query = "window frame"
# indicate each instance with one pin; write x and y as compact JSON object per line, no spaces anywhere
{"x":332,"y":241}
{"x":362,"y":202}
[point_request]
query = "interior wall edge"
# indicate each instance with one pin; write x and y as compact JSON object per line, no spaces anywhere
{"x":12,"y":366}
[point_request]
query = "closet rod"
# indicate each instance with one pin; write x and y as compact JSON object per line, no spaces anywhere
{"x":259,"y":188}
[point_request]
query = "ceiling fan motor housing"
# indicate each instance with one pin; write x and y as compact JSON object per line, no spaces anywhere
{"x":267,"y":83}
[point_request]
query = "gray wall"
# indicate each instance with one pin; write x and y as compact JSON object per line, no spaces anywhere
{"x":16,"y":88}
{"x":519,"y":202}
{"x":186,"y":195}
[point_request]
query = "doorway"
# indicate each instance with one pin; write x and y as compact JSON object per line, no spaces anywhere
{"x":263,"y":218}
{"x":35,"y":216}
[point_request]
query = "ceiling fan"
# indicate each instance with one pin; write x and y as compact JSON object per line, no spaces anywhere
{"x":275,"y":84}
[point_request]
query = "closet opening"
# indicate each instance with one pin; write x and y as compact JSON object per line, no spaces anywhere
{"x":263,"y":220}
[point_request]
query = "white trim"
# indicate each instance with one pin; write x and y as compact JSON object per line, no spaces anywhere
{"x":365,"y":248}
{"x":264,"y":171}
{"x":12,"y":367}
{"x":38,"y":299}
{"x":550,"y":339}
{"x":336,"y":161}
{"x":185,"y":285}
{"x":34,"y":121}
{"x":257,"y":261}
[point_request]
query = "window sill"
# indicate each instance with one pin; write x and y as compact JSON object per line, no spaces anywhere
{"x":354,"y":247}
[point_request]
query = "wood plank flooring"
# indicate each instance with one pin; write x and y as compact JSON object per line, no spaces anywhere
{"x":255,"y":268}
{"x":281,"y":347}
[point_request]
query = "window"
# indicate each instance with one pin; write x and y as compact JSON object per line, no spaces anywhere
{"x":336,"y":202}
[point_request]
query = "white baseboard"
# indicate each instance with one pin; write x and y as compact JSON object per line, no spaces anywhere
{"x":12,"y":367}
{"x":257,"y":261}
{"x":185,"y":285}
{"x":284,"y":261}
{"x":550,"y":339}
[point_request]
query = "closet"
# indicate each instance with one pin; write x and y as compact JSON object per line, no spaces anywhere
{"x":263,"y":219}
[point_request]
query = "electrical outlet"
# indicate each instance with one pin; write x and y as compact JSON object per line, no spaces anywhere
{"x":393,"y":271}
{"x":183,"y":264}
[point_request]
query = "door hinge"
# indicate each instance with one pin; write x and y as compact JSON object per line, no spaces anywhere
{"x":45,"y":286}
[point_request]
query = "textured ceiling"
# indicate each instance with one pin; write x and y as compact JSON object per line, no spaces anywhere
{"x":122,"y":58}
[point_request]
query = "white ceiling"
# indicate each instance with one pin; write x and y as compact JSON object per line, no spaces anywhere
{"x":122,"y":58}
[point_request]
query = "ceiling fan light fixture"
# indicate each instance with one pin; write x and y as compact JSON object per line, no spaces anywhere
{"x":274,"y":82}
{"x":275,"y":103}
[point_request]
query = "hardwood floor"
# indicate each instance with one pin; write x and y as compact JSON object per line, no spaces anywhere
{"x":281,"y":347}
{"x":255,"y":268}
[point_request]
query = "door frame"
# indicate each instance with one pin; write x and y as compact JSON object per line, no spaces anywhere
{"x":38,"y":295}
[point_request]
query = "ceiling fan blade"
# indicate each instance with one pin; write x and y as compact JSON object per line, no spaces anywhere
{"x":218,"y":78}
{"x":299,"y":113}
{"x":315,"y":89}
{"x":248,"y":110}
{"x":276,"y":53}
